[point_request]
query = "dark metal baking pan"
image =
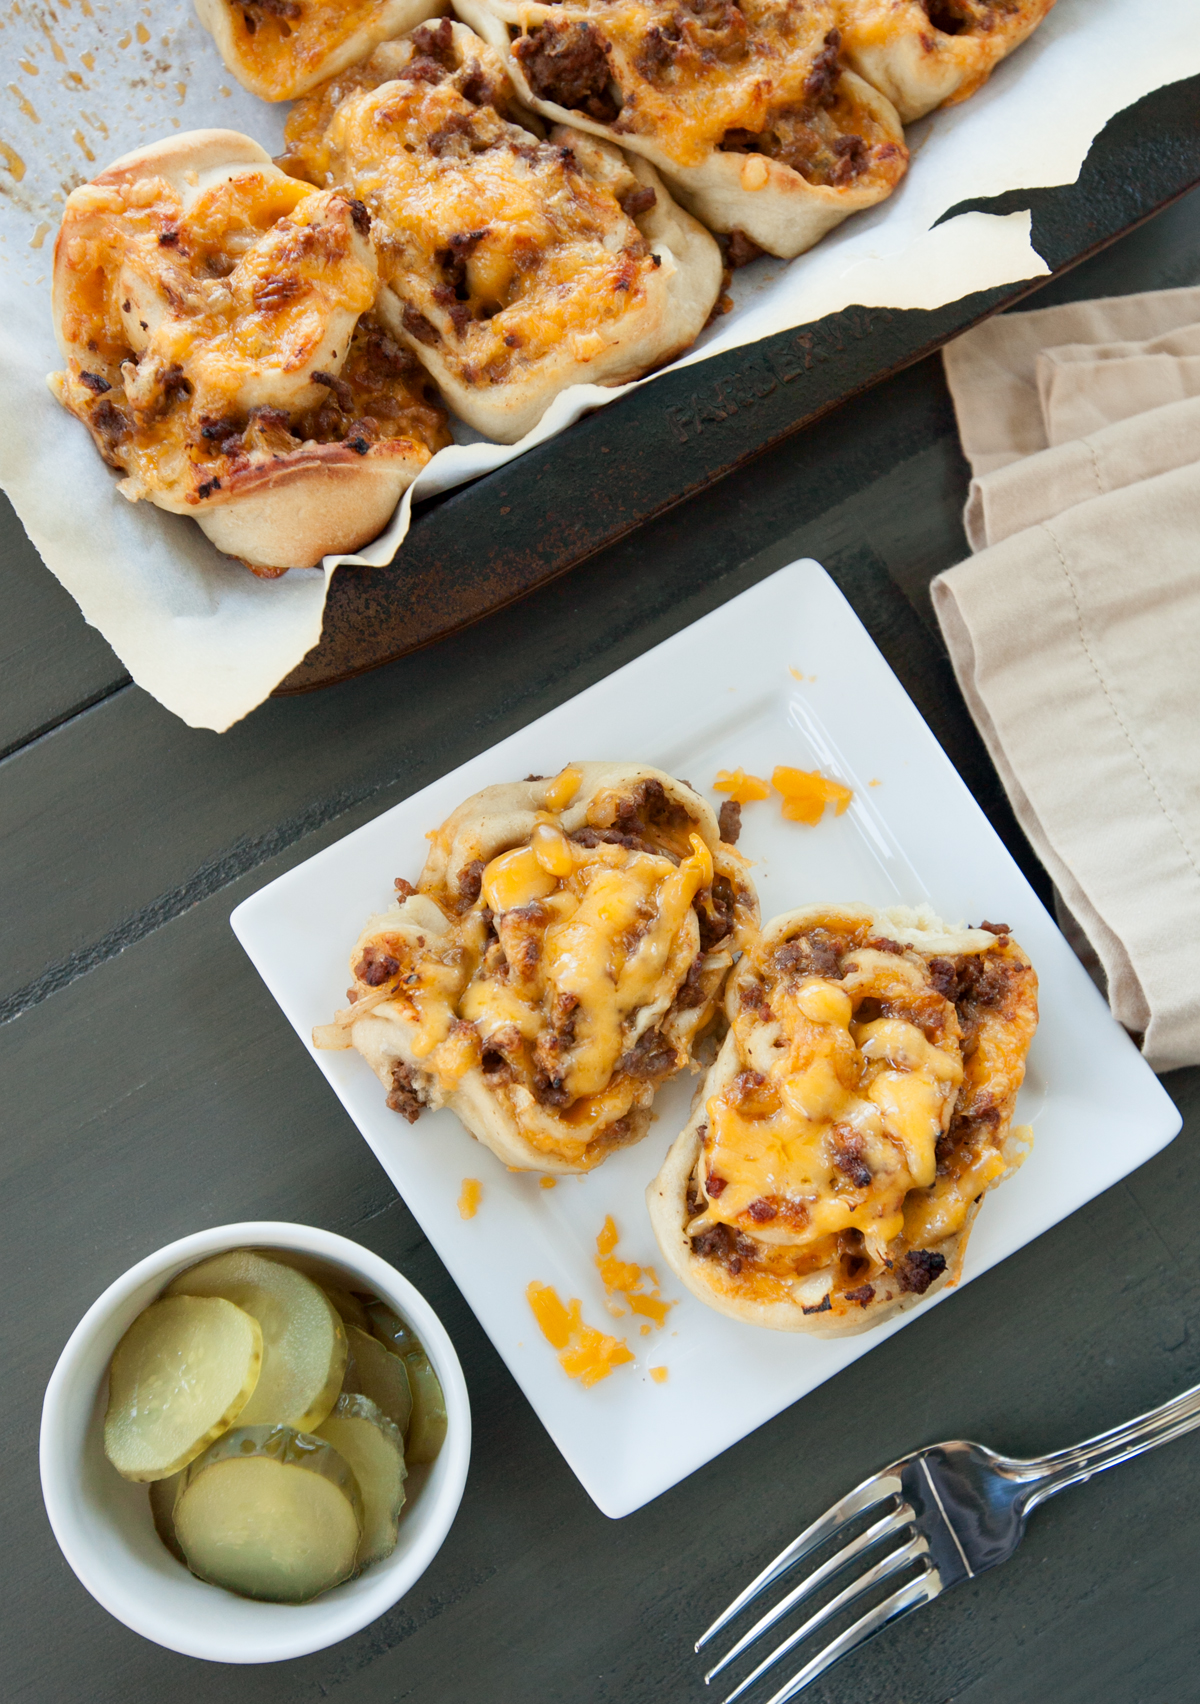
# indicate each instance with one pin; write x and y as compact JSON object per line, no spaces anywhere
{"x":486,"y":544}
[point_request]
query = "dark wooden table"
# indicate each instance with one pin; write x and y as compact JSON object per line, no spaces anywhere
{"x":151,"y":1087}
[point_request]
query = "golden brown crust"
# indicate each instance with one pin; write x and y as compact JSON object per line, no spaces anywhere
{"x":510,"y":266}
{"x":930,"y":1006}
{"x":546,"y":1007}
{"x":924,"y":54}
{"x":215,"y":318}
{"x":281,"y":51}
{"x":747,"y":112}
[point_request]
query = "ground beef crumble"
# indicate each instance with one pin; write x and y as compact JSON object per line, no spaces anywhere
{"x":376,"y":967}
{"x":919,"y":1268}
{"x":568,"y":64}
{"x":725,"y":1245}
{"x":405,"y":1098}
{"x":470,"y":883}
{"x":716,"y":919}
{"x":651,"y":1055}
{"x":816,"y":953}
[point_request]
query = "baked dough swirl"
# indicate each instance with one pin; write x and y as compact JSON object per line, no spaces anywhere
{"x":563,"y":953}
{"x":928,"y":53}
{"x":279,"y":49}
{"x":747,"y":110}
{"x":512,"y":267}
{"x":859,"y":1109}
{"x":216,"y":319}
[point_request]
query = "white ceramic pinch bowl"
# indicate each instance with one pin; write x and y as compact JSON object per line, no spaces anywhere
{"x":103,"y":1523}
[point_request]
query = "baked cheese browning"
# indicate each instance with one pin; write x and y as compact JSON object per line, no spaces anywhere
{"x":501,"y":253}
{"x":995,"y":997}
{"x":279,"y":49}
{"x":862,"y":1105}
{"x":282,"y":43}
{"x":928,"y":53}
{"x":700,"y":75}
{"x":434,"y":53}
{"x":217,"y":338}
{"x":553,"y":983}
{"x":849,"y":1082}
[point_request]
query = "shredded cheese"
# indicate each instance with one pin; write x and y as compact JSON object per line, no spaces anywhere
{"x":806,"y":794}
{"x":625,"y":1281}
{"x":742,"y":788}
{"x":583,"y":1352}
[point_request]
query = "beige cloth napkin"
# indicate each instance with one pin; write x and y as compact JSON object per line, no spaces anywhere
{"x":1075,"y":632}
{"x":1082,"y":388}
{"x":992,"y":370}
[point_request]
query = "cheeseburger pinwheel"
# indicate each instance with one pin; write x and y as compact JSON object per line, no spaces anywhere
{"x":563,"y":953}
{"x":858,"y":1111}
{"x":510,"y":266}
{"x":748,"y":111}
{"x":929,"y":53}
{"x":279,"y":49}
{"x":217,"y":321}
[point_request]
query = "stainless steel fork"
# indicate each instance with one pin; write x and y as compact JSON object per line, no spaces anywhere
{"x":954,"y":1510}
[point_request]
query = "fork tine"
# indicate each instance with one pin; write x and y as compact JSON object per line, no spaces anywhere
{"x":864,"y":1496}
{"x":883,"y":1570}
{"x":923,"y":1589}
{"x":892,"y":1522}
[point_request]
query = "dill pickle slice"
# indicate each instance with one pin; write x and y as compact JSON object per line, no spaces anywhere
{"x":374,"y":1372}
{"x":304,"y":1341}
{"x":270,"y":1513}
{"x":391,"y":1330}
{"x":427,"y":1428}
{"x":349,"y":1304}
{"x":427,"y":1425}
{"x":181,"y":1375}
{"x":364,"y":1437}
{"x":162,"y":1507}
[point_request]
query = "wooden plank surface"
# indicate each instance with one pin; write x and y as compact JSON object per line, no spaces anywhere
{"x":151,"y":1087}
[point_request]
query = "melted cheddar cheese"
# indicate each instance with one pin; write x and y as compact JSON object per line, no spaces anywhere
{"x":760,"y":76}
{"x":963,"y":40}
{"x":279,"y":46}
{"x":212,"y":337}
{"x":500,"y":248}
{"x":851,"y":1131}
{"x":572,"y":971}
{"x":593,"y":949}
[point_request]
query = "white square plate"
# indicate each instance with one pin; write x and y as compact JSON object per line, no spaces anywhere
{"x":785,"y":673}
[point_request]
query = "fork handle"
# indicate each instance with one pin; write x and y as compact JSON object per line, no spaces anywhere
{"x":1054,"y":1473}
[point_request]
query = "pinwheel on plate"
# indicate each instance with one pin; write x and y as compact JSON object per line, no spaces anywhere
{"x":859,"y":1109}
{"x":561,"y":957}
